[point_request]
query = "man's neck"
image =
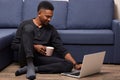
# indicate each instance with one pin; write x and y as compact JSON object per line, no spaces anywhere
{"x":37,"y":22}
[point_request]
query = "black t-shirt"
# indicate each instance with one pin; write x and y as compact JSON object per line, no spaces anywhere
{"x":46,"y":35}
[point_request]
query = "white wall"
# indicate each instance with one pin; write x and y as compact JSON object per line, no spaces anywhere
{"x":117,"y":9}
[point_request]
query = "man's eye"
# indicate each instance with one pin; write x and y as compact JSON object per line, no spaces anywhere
{"x":48,"y":16}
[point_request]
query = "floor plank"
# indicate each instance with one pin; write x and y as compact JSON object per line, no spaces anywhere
{"x":108,"y":72}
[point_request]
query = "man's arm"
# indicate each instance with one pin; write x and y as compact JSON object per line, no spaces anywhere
{"x":57,"y":43}
{"x":69,"y":57}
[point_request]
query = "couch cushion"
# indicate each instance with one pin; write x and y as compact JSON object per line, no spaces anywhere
{"x":87,"y":36}
{"x":10,"y":13}
{"x":60,"y":12}
{"x":6,"y":36}
{"x":90,"y":14}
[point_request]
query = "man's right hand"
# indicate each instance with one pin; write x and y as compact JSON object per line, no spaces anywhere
{"x":40,"y":49}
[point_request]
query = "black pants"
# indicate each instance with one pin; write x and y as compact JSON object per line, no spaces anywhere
{"x":45,"y":64}
{"x":52,"y":64}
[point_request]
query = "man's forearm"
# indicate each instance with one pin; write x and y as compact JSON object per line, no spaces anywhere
{"x":70,"y":58}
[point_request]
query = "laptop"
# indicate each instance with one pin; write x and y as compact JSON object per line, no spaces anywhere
{"x":91,"y":64}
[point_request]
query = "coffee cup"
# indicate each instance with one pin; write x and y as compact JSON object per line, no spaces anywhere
{"x":49,"y":50}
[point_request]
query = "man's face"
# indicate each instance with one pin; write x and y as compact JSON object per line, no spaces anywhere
{"x":45,"y":16}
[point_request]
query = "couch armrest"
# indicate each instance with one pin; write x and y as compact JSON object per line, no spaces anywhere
{"x":116,"y":30}
{"x":6,"y":55}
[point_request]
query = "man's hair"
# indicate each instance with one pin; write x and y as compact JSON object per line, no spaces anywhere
{"x":45,"y":5}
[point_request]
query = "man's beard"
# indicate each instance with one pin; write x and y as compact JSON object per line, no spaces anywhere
{"x":46,"y":23}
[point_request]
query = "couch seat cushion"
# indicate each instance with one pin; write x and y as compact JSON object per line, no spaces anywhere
{"x":86,"y":36}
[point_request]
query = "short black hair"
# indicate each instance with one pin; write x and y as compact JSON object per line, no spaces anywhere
{"x":45,"y":5}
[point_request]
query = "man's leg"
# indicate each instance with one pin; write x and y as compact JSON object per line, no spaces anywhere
{"x":23,"y":70}
{"x":26,"y":64}
{"x":53,"y":65}
{"x":27,"y":42}
{"x":30,"y":69}
{"x":26,"y":52}
{"x":20,"y":58}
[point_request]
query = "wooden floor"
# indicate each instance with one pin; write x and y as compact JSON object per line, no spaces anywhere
{"x":108,"y":72}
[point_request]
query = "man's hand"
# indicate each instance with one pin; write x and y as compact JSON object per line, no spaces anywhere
{"x":40,"y":49}
{"x":77,"y":66}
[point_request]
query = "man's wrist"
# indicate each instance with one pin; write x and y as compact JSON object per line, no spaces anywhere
{"x":74,"y":64}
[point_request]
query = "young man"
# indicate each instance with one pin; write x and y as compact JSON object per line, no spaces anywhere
{"x":31,"y":40}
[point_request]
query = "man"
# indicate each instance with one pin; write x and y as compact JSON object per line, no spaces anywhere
{"x":31,"y":40}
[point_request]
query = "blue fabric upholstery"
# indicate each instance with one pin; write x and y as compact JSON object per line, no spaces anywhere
{"x":10,"y":18}
{"x":78,"y":51}
{"x":116,"y":30}
{"x":6,"y":55}
{"x":60,"y":12}
{"x":10,"y":13}
{"x":87,"y":36}
{"x":85,"y":26}
{"x":90,"y":14}
{"x":6,"y":36}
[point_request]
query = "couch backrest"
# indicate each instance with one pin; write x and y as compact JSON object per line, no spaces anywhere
{"x":74,"y":14}
{"x":10,"y":13}
{"x":90,"y":14}
{"x":60,"y":12}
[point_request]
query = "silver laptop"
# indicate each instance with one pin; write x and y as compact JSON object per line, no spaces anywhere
{"x":91,"y":64}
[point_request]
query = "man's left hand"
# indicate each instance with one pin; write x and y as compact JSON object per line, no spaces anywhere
{"x":77,"y":66}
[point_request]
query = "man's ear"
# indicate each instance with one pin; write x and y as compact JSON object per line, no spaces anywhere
{"x":39,"y":13}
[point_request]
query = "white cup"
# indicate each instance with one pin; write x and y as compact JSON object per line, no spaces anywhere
{"x":49,"y":50}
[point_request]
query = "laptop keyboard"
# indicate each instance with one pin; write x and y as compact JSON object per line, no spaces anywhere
{"x":76,"y":74}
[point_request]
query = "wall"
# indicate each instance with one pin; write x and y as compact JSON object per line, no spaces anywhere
{"x":117,"y":9}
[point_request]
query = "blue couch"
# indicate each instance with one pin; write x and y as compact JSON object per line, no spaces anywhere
{"x":85,"y":26}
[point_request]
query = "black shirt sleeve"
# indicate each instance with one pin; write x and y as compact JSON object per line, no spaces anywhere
{"x":57,"y":43}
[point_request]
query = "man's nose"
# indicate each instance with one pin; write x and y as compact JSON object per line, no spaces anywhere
{"x":49,"y":19}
